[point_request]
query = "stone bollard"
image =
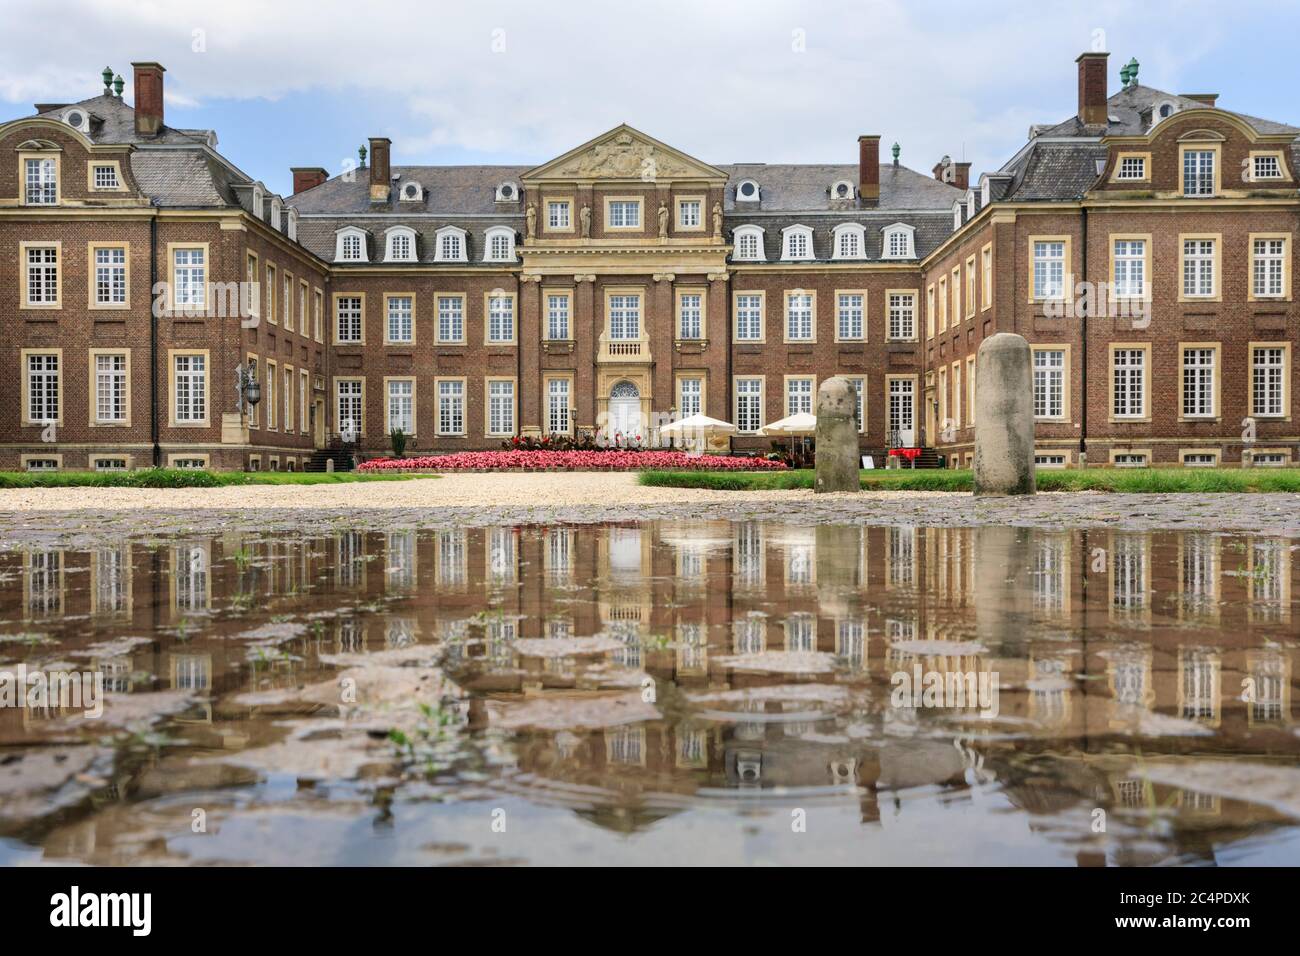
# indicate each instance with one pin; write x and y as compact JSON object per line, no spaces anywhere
{"x":329,"y":465}
{"x":837,"y":437}
{"x":1004,"y":417}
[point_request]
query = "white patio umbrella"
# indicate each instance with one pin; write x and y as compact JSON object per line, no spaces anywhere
{"x":697,"y":427}
{"x":801,"y":423}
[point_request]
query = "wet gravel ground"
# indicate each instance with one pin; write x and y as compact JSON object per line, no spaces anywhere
{"x":71,"y":517}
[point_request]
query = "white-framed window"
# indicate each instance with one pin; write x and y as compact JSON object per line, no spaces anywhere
{"x":798,"y":396}
{"x":557,"y":315}
{"x":190,"y":274}
{"x":109,"y":464}
{"x":1132,"y":167}
{"x":1129,"y":383}
{"x":292,"y":229}
{"x":43,"y":387}
{"x":899,"y":243}
{"x":850,"y":241}
{"x":690,"y":213}
{"x":351,"y":245}
{"x":748,"y":244}
{"x":449,"y":244}
{"x":42,"y":275}
{"x":1049,"y":269}
{"x":110,"y":388}
{"x":849,"y":310}
{"x":749,"y":317}
{"x":501,"y":319}
{"x":401,"y":405}
{"x":1198,"y":172}
{"x":625,"y":316}
{"x":1268,"y":267}
{"x":105,"y":176}
{"x":348,"y":309}
{"x":1049,"y":461}
{"x":1200,"y":459}
{"x":1198,"y":382}
{"x":401,"y":245}
{"x":451,"y":318}
{"x":1269,"y":459}
{"x":1268,"y":369}
{"x":110,"y":275}
{"x":799,"y":316}
{"x":690,"y":396}
{"x":624,"y":214}
{"x":902,"y":408}
{"x":351,"y":406}
{"x":1130,"y":268}
{"x":1049,"y":383}
{"x":1198,"y":267}
{"x":797,"y":243}
{"x":902,"y":316}
{"x":690,"y":315}
{"x":501,"y":407}
{"x":41,"y":464}
{"x":1265,"y":167}
{"x":557,"y":405}
{"x":859,"y":384}
{"x":42,"y":182}
{"x":747,"y":191}
{"x":401,"y":318}
{"x":1130,"y":460}
{"x":559,"y":215}
{"x":190,"y":393}
{"x":499,"y":245}
{"x":451,"y":407}
{"x":749,"y":405}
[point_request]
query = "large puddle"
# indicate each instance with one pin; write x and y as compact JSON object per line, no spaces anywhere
{"x":665,"y":692}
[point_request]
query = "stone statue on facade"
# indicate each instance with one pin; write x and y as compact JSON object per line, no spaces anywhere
{"x":584,"y":218}
{"x":531,"y":217}
{"x":717,"y":221}
{"x":663,"y":221}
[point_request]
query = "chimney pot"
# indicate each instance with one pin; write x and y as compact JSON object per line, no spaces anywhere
{"x":307,"y":177}
{"x":379,"y":168}
{"x":961,"y":176}
{"x":148,"y":98}
{"x":1092,"y":88}
{"x":869,"y":169}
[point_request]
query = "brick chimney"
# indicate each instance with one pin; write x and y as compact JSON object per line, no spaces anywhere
{"x":1092,"y":88}
{"x":961,"y":175}
{"x":148,"y":98}
{"x":307,"y":177}
{"x":944,"y":171}
{"x":869,"y":169}
{"x":380,"y":169}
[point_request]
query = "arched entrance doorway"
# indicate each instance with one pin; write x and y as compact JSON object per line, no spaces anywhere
{"x":624,"y":410}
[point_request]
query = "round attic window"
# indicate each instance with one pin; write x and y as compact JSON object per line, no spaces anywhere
{"x":747,"y":190}
{"x":411,"y":191}
{"x":508,"y":191}
{"x":76,"y":119}
{"x":843,"y":190}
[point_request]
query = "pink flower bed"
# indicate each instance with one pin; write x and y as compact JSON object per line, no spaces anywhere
{"x":569,"y":461}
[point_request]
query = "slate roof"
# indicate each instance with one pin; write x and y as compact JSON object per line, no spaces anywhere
{"x":1130,"y":112}
{"x":1055,"y":171}
{"x":182,"y":177}
{"x":318,"y":235}
{"x":448,"y":191}
{"x":113,"y":121}
{"x":808,"y":187}
{"x":930,"y":230}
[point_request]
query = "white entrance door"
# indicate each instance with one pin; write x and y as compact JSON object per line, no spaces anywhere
{"x":901,"y":410}
{"x":624,"y":412}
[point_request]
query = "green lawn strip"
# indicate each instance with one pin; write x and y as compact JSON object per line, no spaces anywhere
{"x":1128,"y":480}
{"x":184,"y":478}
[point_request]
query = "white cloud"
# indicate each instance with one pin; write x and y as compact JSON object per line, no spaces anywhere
{"x":728,"y":82}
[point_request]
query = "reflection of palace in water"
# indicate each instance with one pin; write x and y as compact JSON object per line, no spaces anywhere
{"x":771,"y":646}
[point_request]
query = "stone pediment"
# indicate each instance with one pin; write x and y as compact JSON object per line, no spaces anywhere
{"x":624,"y":154}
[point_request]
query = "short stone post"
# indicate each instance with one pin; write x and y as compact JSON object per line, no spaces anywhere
{"x":1004,"y":417}
{"x":837,"y":437}
{"x":329,"y":465}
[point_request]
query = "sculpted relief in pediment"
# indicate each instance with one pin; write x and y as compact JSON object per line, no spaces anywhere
{"x":625,"y":157}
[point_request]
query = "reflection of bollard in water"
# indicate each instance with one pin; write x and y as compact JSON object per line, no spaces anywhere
{"x":837,"y":437}
{"x":1004,"y":417}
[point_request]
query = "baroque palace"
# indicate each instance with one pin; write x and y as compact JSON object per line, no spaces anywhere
{"x":1144,"y":246}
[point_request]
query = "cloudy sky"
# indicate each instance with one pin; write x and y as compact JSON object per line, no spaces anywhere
{"x":288,"y":83}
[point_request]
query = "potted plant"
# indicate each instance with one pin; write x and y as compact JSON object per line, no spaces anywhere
{"x":398,"y":439}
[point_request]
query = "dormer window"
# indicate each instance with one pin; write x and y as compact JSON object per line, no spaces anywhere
{"x":78,"y":120}
{"x":748,"y":241}
{"x":984,"y":193}
{"x":797,"y":243}
{"x":747,"y":191}
{"x":293,"y":224}
{"x":850,"y":241}
{"x":258,"y":199}
{"x":898,"y":242}
{"x":956,"y":216}
{"x":1132,"y":168}
{"x":449,"y":244}
{"x":970,"y":204}
{"x":499,"y":245}
{"x":411,"y":192}
{"x":351,"y":245}
{"x":507,"y":192}
{"x":275,"y":212}
{"x":400,"y":244}
{"x":842,"y":190}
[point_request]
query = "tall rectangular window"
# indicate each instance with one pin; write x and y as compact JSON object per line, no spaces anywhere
{"x":749,"y":405}
{"x":1198,"y":172}
{"x":557,"y":316}
{"x":848,"y":310}
{"x":110,"y":388}
{"x":986,"y":280}
{"x":1049,"y":269}
{"x":451,"y":407}
{"x":690,"y":315}
{"x":902,"y":316}
{"x":1198,"y":383}
{"x":401,"y":318}
{"x":401,"y":405}
{"x":110,"y":275}
{"x":1049,"y":383}
{"x":42,"y":275}
{"x":451,"y":318}
{"x":501,"y":407}
{"x":799,"y":316}
{"x":191,"y":388}
{"x":287,"y":392}
{"x":287,"y":309}
{"x":1129,"y":383}
{"x":798,"y":396}
{"x":350,"y":406}
{"x":749,"y":318}
{"x":624,"y":316}
{"x":1198,"y":267}
{"x":189,"y":272}
{"x":348,"y":308}
{"x":1268,"y":367}
{"x":43,"y":387}
{"x":42,"y":182}
{"x":557,"y":405}
{"x":1130,"y":268}
{"x":1268,"y":267}
{"x":902,"y":396}
{"x":690,"y":397}
{"x":501,"y":318}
